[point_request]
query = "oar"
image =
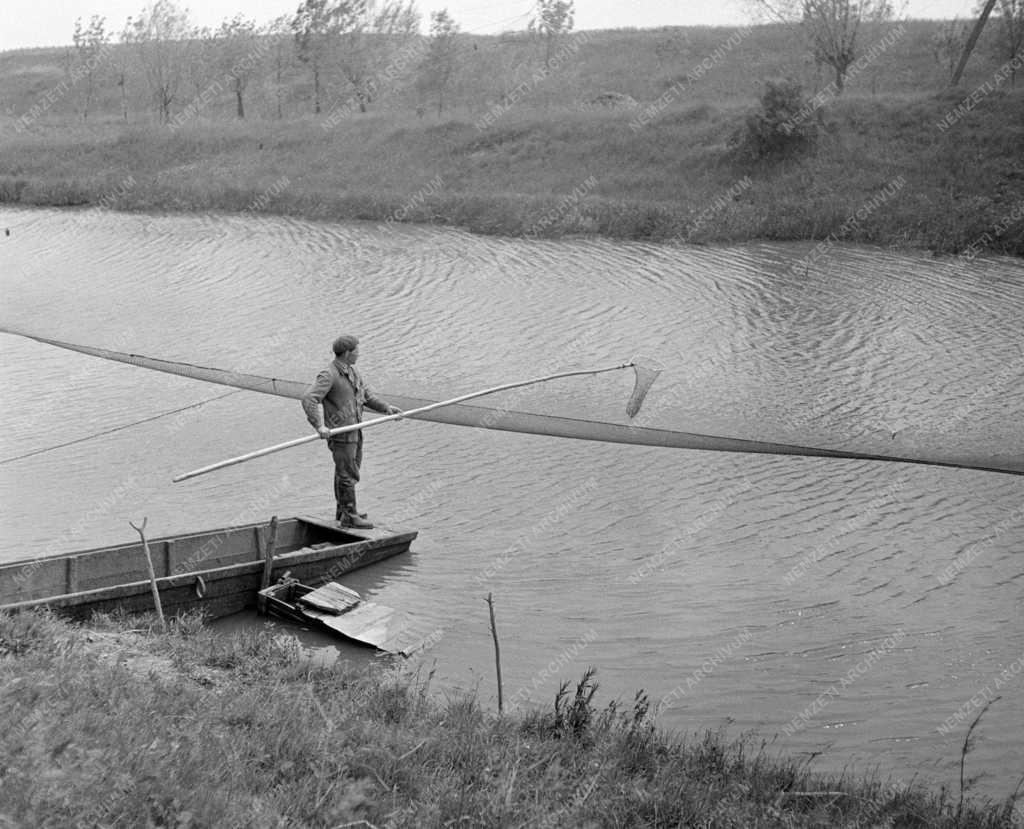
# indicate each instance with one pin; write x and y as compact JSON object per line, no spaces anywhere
{"x":645,"y":376}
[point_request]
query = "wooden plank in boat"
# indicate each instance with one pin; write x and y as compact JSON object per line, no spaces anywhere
{"x":331,"y":598}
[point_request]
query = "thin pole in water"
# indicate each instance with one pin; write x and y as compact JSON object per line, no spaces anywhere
{"x":497,"y":651}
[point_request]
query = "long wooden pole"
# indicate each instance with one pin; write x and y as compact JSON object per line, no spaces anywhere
{"x":152,"y":575}
{"x":259,"y":453}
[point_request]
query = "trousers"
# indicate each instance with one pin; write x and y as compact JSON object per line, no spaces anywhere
{"x":348,"y":457}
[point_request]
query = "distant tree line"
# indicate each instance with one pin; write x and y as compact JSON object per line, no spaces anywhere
{"x":349,"y":54}
{"x":340,"y":58}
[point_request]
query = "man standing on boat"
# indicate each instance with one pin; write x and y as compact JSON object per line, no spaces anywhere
{"x":342,"y":393}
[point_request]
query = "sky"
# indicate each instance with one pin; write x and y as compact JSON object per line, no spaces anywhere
{"x":26,"y":23}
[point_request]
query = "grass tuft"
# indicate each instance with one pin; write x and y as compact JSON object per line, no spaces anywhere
{"x":22,"y":633}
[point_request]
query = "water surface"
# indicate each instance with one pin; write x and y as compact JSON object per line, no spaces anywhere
{"x":737,"y":590}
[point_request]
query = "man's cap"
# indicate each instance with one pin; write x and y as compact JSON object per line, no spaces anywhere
{"x":346,"y":342}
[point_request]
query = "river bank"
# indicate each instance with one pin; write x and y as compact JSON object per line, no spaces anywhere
{"x":888,"y":170}
{"x":120,"y":725}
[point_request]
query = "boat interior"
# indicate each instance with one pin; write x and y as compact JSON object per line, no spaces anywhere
{"x":172,"y":556}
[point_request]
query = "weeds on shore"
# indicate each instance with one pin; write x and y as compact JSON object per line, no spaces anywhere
{"x":260,"y":738}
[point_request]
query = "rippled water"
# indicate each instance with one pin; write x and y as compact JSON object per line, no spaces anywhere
{"x":735,"y":589}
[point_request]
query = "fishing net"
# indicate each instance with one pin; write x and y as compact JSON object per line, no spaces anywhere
{"x":509,"y":420}
{"x":647,"y":372}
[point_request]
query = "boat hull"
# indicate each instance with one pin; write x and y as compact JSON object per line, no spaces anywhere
{"x":219,"y":571}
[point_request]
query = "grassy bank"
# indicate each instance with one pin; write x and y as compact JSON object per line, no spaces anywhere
{"x":120,"y":726}
{"x":552,"y":173}
{"x":549,"y":161}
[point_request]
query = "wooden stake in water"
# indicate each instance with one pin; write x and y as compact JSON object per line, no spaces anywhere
{"x":268,"y":543}
{"x":152,"y":575}
{"x":497,"y":651}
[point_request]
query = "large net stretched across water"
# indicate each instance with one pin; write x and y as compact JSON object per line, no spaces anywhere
{"x":483,"y":417}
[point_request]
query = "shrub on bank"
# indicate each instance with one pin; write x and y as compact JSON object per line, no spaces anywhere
{"x":787,"y":124}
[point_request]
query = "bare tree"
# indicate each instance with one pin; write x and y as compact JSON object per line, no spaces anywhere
{"x":1011,"y":34}
{"x":366,"y":47}
{"x":831,"y":27}
{"x":948,"y":43}
{"x":124,"y":61}
{"x":239,"y":52}
{"x":90,"y":42}
{"x":316,"y":26}
{"x":554,"y":19}
{"x":200,"y":55}
{"x":440,"y":61}
{"x":281,"y":52}
{"x":158,"y":35}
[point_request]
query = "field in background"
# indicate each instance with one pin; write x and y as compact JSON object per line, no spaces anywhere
{"x":546,"y":159}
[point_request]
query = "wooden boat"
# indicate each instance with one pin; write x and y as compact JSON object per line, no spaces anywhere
{"x":219,"y":571}
{"x":341,"y":611}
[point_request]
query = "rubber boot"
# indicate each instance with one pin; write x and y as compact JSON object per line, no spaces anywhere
{"x":355,"y":521}
{"x":349,"y":516}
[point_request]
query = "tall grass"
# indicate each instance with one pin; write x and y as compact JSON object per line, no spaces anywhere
{"x":525,"y":175}
{"x":244,"y":733}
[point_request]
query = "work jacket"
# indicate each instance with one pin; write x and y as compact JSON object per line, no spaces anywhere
{"x":342,"y":392}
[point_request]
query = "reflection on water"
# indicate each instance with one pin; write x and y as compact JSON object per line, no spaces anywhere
{"x":744,"y":589}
